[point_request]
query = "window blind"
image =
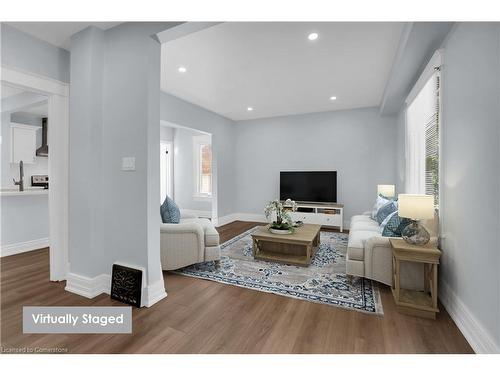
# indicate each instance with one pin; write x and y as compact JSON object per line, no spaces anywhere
{"x":432,"y":148}
{"x":422,"y":140}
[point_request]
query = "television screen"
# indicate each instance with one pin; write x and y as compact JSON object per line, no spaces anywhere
{"x":318,"y":187}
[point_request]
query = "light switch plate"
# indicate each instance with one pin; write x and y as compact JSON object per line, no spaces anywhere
{"x":128,"y":163}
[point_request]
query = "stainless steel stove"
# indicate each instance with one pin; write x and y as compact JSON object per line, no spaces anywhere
{"x":40,"y":180}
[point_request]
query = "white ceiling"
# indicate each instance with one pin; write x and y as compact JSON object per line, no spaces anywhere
{"x":8,"y":91}
{"x":39,"y":110}
{"x":275,"y":69}
{"x":58,"y":33}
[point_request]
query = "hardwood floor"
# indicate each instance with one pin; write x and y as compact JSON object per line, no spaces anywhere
{"x":201,"y":316}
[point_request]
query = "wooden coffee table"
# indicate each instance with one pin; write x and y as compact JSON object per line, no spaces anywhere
{"x":297,"y":248}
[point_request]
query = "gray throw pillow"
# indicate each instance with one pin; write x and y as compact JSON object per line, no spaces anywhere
{"x":170,"y":213}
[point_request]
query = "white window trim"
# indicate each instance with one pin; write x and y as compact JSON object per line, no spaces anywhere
{"x":197,"y":142}
{"x":436,"y":61}
{"x":170,"y":185}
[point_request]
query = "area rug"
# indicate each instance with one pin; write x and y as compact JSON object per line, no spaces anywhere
{"x":324,"y":281}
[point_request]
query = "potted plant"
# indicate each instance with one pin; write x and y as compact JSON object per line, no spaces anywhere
{"x":283,"y":223}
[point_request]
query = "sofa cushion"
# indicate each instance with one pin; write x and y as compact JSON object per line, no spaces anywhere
{"x":364,"y":225}
{"x":362,"y":218}
{"x":211,"y":234}
{"x":170,"y":213}
{"x":356,"y":244}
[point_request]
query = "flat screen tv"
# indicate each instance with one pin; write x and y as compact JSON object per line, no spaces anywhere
{"x":317,"y":187}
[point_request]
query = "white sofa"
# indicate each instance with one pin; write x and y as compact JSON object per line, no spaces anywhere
{"x":369,"y":254}
{"x":193,"y":240}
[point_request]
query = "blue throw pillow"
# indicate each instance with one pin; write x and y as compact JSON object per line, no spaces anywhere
{"x":385,"y":211}
{"x":393,"y":225}
{"x":170,"y":212}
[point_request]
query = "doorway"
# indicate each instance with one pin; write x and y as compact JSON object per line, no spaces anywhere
{"x":57,"y":94}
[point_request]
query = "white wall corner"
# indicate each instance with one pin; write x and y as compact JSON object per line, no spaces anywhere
{"x":475,"y":334}
{"x":22,"y":247}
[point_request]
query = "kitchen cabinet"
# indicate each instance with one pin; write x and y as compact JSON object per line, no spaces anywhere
{"x":23,"y":143}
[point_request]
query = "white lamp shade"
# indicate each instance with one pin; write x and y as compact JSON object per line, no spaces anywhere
{"x":416,"y":206}
{"x":388,"y":191}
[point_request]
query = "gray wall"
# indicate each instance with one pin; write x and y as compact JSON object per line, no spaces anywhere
{"x":358,"y":144}
{"x":25,"y":52}
{"x":180,"y":112}
{"x":471,"y":171}
{"x":470,"y":175}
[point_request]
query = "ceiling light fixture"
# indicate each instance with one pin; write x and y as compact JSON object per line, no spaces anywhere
{"x":332,"y":98}
{"x":182,"y":69}
{"x":249,"y":109}
{"x":313,"y":36}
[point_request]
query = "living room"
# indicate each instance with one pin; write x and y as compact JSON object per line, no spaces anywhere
{"x":325,"y":187}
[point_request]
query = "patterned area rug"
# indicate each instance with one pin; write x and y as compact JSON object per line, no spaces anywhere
{"x":324,"y":281}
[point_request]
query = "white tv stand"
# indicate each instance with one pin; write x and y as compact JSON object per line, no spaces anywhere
{"x":327,"y":214}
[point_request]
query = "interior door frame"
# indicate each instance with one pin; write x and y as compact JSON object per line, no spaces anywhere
{"x":170,"y":161}
{"x":58,"y":140}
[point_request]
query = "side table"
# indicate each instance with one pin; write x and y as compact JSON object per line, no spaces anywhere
{"x":411,"y":302}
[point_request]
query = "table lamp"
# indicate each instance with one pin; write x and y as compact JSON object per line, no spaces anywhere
{"x":416,"y":207}
{"x":387,"y":191}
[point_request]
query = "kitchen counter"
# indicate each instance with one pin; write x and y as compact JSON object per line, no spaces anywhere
{"x":11,"y":192}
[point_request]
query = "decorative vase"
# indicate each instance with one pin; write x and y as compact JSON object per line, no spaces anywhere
{"x":415,"y":234}
{"x":280,"y":231}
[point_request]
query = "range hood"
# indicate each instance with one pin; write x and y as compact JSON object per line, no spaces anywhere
{"x":43,"y":150}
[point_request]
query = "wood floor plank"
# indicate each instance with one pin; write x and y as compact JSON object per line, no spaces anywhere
{"x":201,"y":316}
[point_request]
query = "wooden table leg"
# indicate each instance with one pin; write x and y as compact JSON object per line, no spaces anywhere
{"x":435,"y":286}
{"x":397,"y":279}
{"x":427,"y":276}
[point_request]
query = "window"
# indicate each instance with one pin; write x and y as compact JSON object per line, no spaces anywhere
{"x":166,"y":164}
{"x":203,"y":166}
{"x":422,"y":133}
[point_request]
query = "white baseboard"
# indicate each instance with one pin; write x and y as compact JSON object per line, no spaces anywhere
{"x":154,"y":293}
{"x":22,"y":247}
{"x":223,"y":220}
{"x":478,"y":338}
{"x":91,"y":287}
{"x":88,"y":287}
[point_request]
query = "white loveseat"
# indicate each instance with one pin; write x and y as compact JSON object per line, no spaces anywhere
{"x":369,"y":254}
{"x":193,"y":240}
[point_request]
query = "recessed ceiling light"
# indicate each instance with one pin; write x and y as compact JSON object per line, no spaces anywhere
{"x":333,"y":98}
{"x":313,"y":36}
{"x":249,"y":109}
{"x":182,"y":69}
